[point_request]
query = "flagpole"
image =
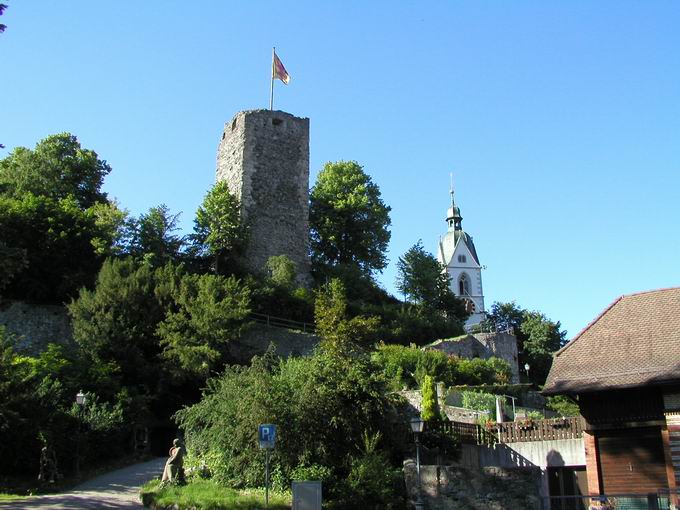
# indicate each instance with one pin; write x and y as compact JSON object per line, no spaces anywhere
{"x":271,"y":90}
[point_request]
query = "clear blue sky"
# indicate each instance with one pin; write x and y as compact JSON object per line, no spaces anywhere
{"x":559,"y":120}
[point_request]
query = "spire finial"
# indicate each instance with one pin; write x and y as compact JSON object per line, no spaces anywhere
{"x":454,"y":218}
{"x":451,"y":188}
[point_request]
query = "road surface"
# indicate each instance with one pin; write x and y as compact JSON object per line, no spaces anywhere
{"x":115,"y":490}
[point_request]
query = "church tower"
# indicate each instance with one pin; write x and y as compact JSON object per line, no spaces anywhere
{"x":456,"y":252}
{"x":264,"y":158}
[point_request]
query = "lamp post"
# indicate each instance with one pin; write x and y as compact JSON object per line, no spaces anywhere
{"x":81,"y":400}
{"x":417,"y":425}
{"x":526,"y":369}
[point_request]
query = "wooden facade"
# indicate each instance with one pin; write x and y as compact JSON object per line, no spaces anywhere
{"x":627,"y":450}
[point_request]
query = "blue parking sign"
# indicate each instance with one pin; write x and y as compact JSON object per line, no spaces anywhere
{"x":267,"y":435}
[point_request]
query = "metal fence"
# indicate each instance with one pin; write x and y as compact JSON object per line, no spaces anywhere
{"x":660,"y":500}
{"x":279,"y":322}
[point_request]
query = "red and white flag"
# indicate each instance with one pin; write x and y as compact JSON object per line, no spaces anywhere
{"x":278,"y":71}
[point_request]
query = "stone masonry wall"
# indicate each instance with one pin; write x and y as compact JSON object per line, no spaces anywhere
{"x":34,"y":326}
{"x":482,"y":345}
{"x":264,"y":158}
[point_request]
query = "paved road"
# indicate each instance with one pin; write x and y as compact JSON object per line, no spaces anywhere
{"x":114,"y":490}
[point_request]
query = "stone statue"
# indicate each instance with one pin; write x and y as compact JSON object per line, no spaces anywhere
{"x":174,"y":471}
{"x":48,"y":465}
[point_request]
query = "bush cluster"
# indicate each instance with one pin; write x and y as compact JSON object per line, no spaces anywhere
{"x":335,"y":421}
{"x":407,"y":366}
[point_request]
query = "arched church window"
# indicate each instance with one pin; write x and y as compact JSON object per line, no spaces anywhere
{"x":464,"y":285}
{"x":462,"y":258}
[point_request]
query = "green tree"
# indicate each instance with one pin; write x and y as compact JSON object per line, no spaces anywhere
{"x":421,"y":278}
{"x":211,"y":313}
{"x":339,"y":397}
{"x":506,"y":316}
{"x":337,"y":331}
{"x":51,"y":247}
{"x":219,"y":230}
{"x":58,"y":167}
{"x":115,"y":324}
{"x":281,"y":271}
{"x":349,"y":222}
{"x":155,"y":239}
{"x":430,"y":406}
{"x":542,"y":337}
{"x":537,"y":337}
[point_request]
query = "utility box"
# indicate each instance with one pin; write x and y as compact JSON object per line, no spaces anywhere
{"x":307,"y":495}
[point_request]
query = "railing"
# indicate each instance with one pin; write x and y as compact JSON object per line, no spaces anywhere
{"x":279,"y":322}
{"x":466,"y":433}
{"x":540,"y":430}
{"x":513,"y":432}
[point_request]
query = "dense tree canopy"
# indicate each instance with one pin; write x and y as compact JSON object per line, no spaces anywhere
{"x":349,"y":221}
{"x":537,"y":337}
{"x":58,"y":167}
{"x":155,"y":237}
{"x":52,"y":247}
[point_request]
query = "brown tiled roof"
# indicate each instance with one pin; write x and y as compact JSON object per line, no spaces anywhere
{"x":634,"y":342}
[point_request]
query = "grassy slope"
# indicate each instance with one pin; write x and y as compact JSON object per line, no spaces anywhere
{"x":207,"y":495}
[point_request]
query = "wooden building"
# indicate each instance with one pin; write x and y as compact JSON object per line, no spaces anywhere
{"x":624,"y":371}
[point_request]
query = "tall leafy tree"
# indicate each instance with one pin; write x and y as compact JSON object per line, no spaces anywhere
{"x":542,"y":337}
{"x":155,"y":237}
{"x":116,"y":322}
{"x":537,"y":337}
{"x":58,"y":167}
{"x":51,"y":247}
{"x":211,"y":312}
{"x":348,"y":219}
{"x":219,"y":231}
{"x":421,"y":278}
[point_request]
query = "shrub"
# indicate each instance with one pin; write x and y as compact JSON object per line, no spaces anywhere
{"x":430,"y":407}
{"x":479,"y":401}
{"x":407,"y":366}
{"x":336,"y":396}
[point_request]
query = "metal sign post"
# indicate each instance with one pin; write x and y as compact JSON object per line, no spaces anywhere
{"x":266,"y":436}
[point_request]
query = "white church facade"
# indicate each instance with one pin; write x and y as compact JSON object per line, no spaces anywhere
{"x":457,"y":253}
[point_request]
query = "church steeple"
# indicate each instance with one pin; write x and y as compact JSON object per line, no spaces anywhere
{"x":453,"y":217}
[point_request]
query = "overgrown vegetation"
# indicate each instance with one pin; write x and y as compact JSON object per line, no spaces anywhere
{"x":154,"y":314}
{"x":337,"y":393}
{"x":537,"y":337}
{"x":406,"y":367}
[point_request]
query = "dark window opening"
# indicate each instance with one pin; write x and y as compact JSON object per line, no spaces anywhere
{"x":276,"y":122}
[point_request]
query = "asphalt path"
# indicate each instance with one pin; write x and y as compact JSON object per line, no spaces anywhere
{"x":115,"y":490}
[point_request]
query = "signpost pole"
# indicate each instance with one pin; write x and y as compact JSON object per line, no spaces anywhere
{"x":266,"y":479}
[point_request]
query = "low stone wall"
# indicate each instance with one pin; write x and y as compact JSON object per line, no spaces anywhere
{"x":484,"y":346}
{"x":34,"y":326}
{"x":493,"y":488}
{"x":258,"y":337}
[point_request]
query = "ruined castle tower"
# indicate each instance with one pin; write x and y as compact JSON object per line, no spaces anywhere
{"x":264,"y":158}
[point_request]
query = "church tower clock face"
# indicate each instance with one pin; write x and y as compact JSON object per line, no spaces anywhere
{"x":457,"y":253}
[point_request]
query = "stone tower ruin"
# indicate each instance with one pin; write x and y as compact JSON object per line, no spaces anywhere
{"x":264,"y":158}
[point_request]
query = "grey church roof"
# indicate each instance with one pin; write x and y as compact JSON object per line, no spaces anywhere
{"x":448,"y":243}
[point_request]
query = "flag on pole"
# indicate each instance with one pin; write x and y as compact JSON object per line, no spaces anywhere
{"x":278,"y":71}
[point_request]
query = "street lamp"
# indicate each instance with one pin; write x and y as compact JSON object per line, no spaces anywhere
{"x":417,"y":425}
{"x":526,"y":369}
{"x":81,"y":400}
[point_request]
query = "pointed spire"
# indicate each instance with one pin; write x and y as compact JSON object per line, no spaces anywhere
{"x":453,"y":217}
